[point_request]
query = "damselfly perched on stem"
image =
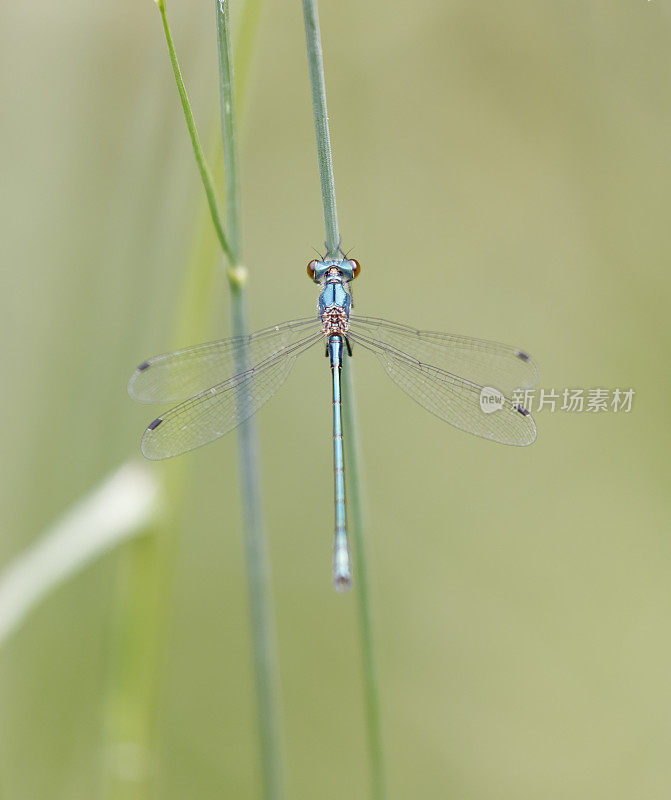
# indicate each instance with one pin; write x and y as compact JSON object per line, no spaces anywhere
{"x":220,"y":384}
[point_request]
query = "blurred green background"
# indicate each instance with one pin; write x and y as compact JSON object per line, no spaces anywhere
{"x":503,"y":171}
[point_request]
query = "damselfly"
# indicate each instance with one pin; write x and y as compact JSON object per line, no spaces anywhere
{"x":221,"y":384}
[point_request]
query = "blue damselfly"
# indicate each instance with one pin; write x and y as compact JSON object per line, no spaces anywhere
{"x":220,"y":384}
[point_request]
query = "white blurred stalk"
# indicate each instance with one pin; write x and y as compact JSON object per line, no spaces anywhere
{"x":118,"y":509}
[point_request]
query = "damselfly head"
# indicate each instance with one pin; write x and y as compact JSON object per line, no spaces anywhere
{"x":345,"y":269}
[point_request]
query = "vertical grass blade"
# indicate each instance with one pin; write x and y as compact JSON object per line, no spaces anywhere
{"x":324,"y":157}
{"x":362,"y":589}
{"x":264,"y":648}
{"x":371,"y":691}
{"x":147,"y":575}
{"x":205,"y":174}
{"x":228,"y":129}
{"x":258,"y":567}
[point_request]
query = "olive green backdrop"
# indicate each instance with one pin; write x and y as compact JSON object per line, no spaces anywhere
{"x":503,"y":171}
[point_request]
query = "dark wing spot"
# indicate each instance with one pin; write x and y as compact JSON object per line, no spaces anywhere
{"x":523,"y":356}
{"x":521,"y":409}
{"x":155,"y":423}
{"x":144,"y":365}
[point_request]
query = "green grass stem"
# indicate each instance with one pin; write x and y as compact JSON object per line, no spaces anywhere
{"x":352,"y":452}
{"x":205,"y":174}
{"x":324,"y":156}
{"x":146,"y":569}
{"x":264,"y":646}
{"x":228,"y":129}
{"x":362,"y":589}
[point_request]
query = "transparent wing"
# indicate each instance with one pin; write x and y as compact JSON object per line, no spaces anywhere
{"x":176,"y":376}
{"x":454,"y":399}
{"x":476,"y":360}
{"x":216,"y":411}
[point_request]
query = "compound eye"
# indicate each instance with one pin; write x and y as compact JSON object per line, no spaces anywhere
{"x":356,"y":267}
{"x":312,"y":268}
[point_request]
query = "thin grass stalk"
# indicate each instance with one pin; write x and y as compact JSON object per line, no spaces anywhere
{"x":352,"y":451}
{"x":324,"y":156}
{"x":205,"y":174}
{"x":228,"y":129}
{"x":138,"y":629}
{"x":145,"y":579}
{"x":362,"y":589}
{"x":146,"y":569}
{"x":258,"y":567}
